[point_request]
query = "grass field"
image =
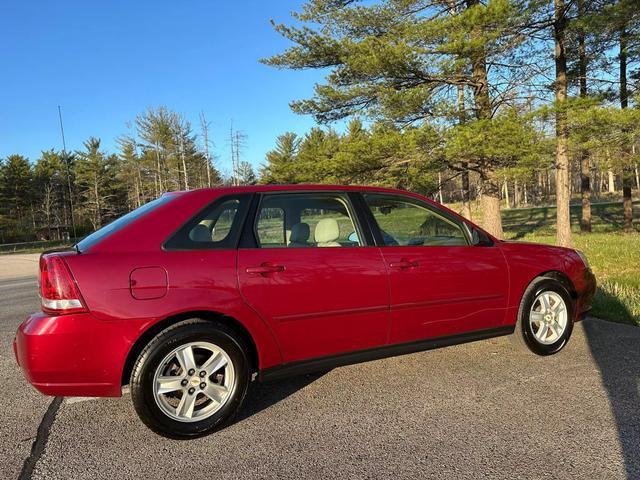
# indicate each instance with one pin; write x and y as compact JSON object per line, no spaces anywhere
{"x":614,"y":256}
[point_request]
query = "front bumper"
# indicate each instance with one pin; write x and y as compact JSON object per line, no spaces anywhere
{"x":75,"y":355}
{"x":586,"y":291}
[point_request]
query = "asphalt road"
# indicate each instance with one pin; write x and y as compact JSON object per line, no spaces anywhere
{"x":480,"y":410}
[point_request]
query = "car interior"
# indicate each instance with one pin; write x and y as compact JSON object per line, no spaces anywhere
{"x":305,"y":220}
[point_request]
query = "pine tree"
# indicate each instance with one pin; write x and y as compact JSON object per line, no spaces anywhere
{"x":403,"y":61}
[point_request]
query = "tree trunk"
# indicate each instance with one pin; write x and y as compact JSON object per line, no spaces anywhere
{"x":563,"y":170}
{"x":585,"y":188}
{"x":490,"y":203}
{"x":506,"y":193}
{"x":466,"y":195}
{"x":624,"y":103}
{"x":491,"y":190}
{"x":612,"y":181}
{"x":466,"y":192}
{"x":585,"y":169}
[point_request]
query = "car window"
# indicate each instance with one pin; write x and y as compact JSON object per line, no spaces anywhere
{"x":305,"y":220}
{"x":411,"y":223}
{"x":270,"y":227}
{"x":97,"y":236}
{"x":215,"y":227}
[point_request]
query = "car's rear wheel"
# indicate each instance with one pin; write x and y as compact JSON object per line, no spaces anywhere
{"x":190,"y":379}
{"x":545,"y":317}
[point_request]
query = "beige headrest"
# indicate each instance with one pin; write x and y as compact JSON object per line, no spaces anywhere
{"x":327,"y":230}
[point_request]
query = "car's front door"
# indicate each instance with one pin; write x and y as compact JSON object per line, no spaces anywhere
{"x":440,"y":284}
{"x":312,"y":276}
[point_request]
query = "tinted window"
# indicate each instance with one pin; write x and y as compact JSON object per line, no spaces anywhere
{"x":216,"y":227}
{"x":305,"y":220}
{"x":90,"y":240}
{"x":408,"y":222}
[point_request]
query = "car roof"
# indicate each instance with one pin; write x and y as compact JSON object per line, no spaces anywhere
{"x":292,"y":187}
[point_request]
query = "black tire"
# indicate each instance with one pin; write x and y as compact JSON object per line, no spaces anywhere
{"x":142,"y":377}
{"x":523,"y":333}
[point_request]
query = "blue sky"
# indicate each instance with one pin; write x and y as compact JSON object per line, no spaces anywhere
{"x":105,"y":62}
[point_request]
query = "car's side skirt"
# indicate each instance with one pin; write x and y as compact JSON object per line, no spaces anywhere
{"x":331,"y":361}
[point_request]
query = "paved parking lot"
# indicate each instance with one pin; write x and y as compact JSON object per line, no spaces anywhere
{"x":480,"y":410}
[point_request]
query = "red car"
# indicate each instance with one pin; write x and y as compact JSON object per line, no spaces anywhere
{"x":191,"y":296}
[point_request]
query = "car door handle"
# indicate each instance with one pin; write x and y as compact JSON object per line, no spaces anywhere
{"x":265,"y":269}
{"x":404,"y":263}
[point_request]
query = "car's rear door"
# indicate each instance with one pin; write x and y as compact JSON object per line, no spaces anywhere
{"x":309,"y":272}
{"x":440,"y":284}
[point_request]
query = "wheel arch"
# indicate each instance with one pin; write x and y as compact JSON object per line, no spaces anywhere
{"x":208,"y":315}
{"x":562,"y":278}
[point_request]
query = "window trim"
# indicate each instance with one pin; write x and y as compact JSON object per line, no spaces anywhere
{"x":352,"y":209}
{"x":228,"y":243}
{"x":377,"y":231}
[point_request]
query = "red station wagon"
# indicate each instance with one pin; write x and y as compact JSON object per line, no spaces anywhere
{"x":193,"y":295}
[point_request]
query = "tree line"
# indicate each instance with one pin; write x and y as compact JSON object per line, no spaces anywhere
{"x":65,"y":195}
{"x":506,"y":102}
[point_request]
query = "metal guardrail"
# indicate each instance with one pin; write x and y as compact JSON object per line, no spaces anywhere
{"x":25,"y":246}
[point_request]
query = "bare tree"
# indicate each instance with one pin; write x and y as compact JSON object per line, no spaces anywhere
{"x":204,"y":125}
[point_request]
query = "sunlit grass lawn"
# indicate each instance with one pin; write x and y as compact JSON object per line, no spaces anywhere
{"x":614,"y":256}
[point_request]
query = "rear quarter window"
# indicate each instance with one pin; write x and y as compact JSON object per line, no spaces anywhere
{"x":215,"y":227}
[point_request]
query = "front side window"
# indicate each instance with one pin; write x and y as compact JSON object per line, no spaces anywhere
{"x":216,"y":227}
{"x":410,"y":223}
{"x":305,"y":220}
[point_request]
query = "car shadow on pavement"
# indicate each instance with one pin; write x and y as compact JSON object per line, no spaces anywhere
{"x":617,"y":354}
{"x":261,"y":396}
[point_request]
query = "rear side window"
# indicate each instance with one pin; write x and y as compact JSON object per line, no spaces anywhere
{"x":217,"y":226}
{"x":91,"y":240}
{"x":302,"y":220}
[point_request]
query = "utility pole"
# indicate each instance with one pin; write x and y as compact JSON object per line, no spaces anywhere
{"x":233,"y":156}
{"x":205,"y":133}
{"x":67,"y":160}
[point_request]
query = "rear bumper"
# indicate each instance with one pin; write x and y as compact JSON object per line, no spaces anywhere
{"x":74,"y":355}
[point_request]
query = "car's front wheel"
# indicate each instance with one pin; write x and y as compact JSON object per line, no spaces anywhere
{"x":545,"y":317}
{"x":190,"y":379}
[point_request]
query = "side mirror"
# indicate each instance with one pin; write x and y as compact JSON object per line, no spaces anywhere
{"x":475,"y":237}
{"x":478,"y":238}
{"x":353,"y":238}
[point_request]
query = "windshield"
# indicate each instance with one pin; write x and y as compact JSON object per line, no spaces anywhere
{"x":94,"y":238}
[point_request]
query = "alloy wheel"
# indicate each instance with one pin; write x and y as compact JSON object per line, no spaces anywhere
{"x":548,"y":317}
{"x":193,"y":381}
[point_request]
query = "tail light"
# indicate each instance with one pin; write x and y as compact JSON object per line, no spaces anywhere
{"x":58,"y":289}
